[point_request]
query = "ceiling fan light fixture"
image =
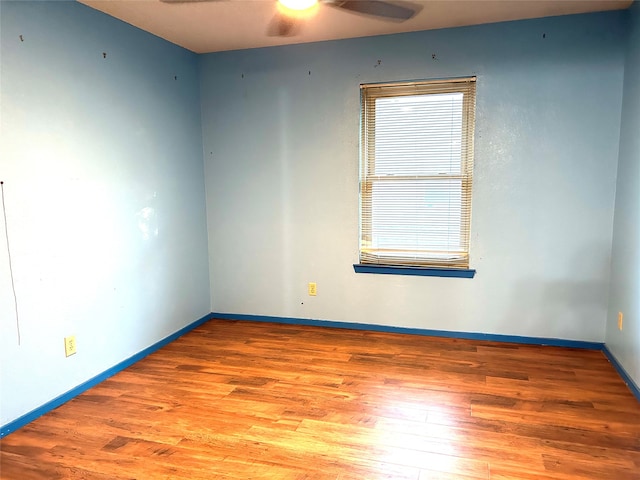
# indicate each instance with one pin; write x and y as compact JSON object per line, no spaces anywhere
{"x":298,"y":5}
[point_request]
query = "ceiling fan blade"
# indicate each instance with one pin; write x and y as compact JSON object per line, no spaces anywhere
{"x":396,"y":11}
{"x":283,"y":26}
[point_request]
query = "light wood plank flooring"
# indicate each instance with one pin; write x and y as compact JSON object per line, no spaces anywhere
{"x":240,"y":400}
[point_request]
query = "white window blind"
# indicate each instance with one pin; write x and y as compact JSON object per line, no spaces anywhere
{"x":416,"y":173}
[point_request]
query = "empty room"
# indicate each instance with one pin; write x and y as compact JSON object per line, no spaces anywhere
{"x":329,"y":240}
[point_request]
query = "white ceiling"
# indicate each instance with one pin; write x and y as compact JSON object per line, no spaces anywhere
{"x":217,"y":25}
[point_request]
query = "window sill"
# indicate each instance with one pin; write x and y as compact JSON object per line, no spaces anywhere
{"x":418,"y":271}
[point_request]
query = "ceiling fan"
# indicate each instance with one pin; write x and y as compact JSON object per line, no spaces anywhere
{"x":291,"y":13}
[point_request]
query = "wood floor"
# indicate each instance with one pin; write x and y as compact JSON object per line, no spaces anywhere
{"x":241,"y":400}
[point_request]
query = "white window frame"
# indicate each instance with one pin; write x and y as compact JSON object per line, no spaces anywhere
{"x":373,"y":250}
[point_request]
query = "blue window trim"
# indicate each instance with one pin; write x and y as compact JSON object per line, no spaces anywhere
{"x":418,"y":271}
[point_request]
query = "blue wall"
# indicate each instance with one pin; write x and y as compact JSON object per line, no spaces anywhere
{"x":102,"y":160}
{"x":625,"y":263}
{"x":102,"y":164}
{"x":280,"y":131}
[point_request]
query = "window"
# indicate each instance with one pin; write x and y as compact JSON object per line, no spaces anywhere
{"x":416,"y":172}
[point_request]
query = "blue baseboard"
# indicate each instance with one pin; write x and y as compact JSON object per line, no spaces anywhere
{"x":555,"y":342}
{"x":622,"y":372}
{"x":74,"y":392}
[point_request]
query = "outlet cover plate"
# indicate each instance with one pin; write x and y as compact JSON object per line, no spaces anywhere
{"x":70,"y":345}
